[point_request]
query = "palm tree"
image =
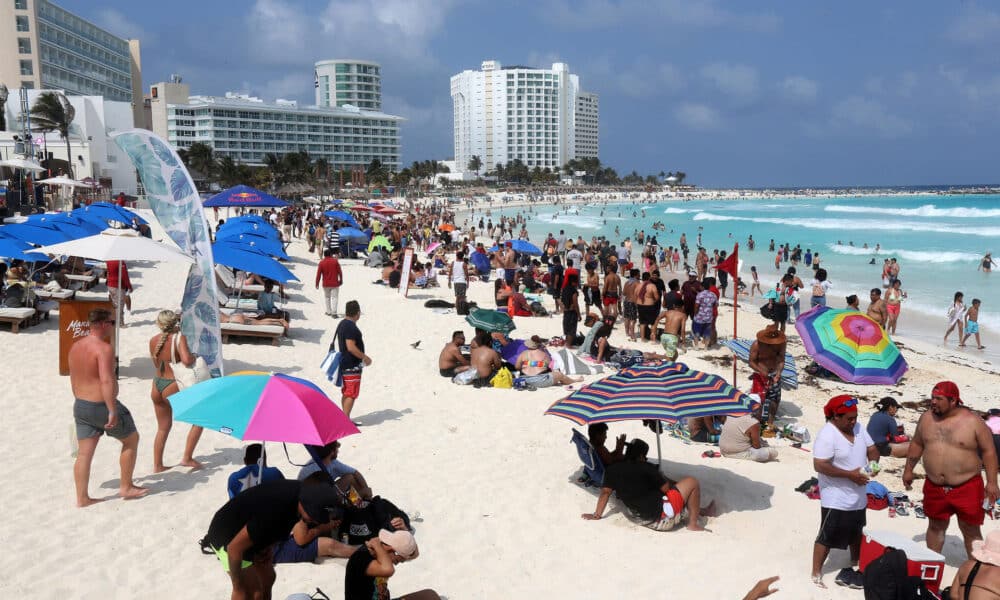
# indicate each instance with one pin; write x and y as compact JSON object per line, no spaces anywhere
{"x":201,"y":158}
{"x":376,"y":173}
{"x":475,"y":163}
{"x":229,"y":172}
{"x":53,"y":112}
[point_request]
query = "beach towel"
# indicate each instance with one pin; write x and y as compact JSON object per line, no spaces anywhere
{"x":569,"y":363}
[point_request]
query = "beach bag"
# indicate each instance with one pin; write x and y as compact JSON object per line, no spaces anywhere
{"x":189,"y":376}
{"x":331,"y":363}
{"x":465,"y":377}
{"x":503,"y":379}
{"x":767,"y":311}
{"x":886,"y":578}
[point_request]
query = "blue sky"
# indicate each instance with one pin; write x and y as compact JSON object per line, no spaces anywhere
{"x":733,"y":93}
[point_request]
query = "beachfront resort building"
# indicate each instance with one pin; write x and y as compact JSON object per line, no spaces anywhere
{"x":344,"y":82}
{"x":246,"y":128}
{"x":540,"y":116}
{"x":43,"y":46}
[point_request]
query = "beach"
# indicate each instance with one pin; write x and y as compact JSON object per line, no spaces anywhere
{"x":487,"y":479}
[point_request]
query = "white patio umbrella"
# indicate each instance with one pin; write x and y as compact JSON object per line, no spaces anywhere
{"x":120,"y":245}
{"x":21,"y":163}
{"x":63,"y":181}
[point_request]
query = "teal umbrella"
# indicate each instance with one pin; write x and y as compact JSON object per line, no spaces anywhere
{"x":379,"y":241}
{"x":490,"y":320}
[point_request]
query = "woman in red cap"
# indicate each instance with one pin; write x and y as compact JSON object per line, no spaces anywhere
{"x":955,"y":445}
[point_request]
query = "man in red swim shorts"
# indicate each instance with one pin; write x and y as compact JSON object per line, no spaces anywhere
{"x":951,"y":439}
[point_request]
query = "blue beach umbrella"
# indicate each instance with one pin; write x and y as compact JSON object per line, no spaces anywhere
{"x":248,"y":259}
{"x":268,"y":246}
{"x":16,"y":249}
{"x":352,"y":233}
{"x":261,"y":229}
{"x":109,"y":212}
{"x":342,"y":216}
{"x":243,"y":195}
{"x":521,"y":246}
{"x":35,"y":233}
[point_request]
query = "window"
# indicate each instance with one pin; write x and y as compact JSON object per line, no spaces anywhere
{"x":20,"y":4}
{"x":27,"y":68}
{"x":24,"y":45}
{"x":28,"y":85}
{"x":22,"y":23}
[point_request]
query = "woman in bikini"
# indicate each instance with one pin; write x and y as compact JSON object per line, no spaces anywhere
{"x":756,"y":282}
{"x":167,"y":348}
{"x":535,"y":366}
{"x":893,"y":304}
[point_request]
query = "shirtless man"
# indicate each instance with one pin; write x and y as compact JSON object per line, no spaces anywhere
{"x":629,"y":309}
{"x":612,"y":294}
{"x":451,"y":362}
{"x":767,"y":359}
{"x":647,"y":298}
{"x":485,"y":360}
{"x":877,"y":310}
{"x":673,"y":322}
{"x":509,"y":262}
{"x":701,"y":263}
{"x":951,"y":439}
{"x":97,"y":409}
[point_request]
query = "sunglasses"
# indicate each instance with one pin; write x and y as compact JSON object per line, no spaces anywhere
{"x":850,"y":403}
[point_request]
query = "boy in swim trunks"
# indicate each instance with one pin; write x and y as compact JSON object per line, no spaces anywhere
{"x":972,"y":324}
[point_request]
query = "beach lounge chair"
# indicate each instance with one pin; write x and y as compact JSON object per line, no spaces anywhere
{"x":273,"y":332}
{"x":17,"y":317}
{"x":227,"y":281}
{"x":84,"y":282}
{"x":593,"y":468}
{"x":227,"y":302}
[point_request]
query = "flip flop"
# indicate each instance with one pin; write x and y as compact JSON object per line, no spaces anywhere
{"x":918,"y":511}
{"x":710,"y":454}
{"x":818,"y":580}
{"x":901,"y":510}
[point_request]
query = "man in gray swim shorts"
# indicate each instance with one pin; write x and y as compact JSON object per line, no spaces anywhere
{"x":96,"y":408}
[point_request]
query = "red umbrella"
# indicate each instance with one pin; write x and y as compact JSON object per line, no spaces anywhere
{"x":388,"y":211}
{"x":361,"y":208}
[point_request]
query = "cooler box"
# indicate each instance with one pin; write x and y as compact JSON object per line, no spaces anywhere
{"x":922,"y":562}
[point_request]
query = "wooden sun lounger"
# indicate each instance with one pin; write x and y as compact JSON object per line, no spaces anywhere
{"x":274,"y":332}
{"x":86,"y":281}
{"x":17,"y":317}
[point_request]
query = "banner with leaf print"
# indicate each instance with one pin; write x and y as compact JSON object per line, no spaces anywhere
{"x":177,"y":206}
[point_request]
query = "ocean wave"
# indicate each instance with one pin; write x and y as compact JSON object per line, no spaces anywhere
{"x":572,"y":220}
{"x":851,"y":225}
{"x":927,"y":210}
{"x":915,"y":255}
{"x":677,"y":211}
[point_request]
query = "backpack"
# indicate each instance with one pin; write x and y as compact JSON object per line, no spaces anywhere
{"x":886,"y":578}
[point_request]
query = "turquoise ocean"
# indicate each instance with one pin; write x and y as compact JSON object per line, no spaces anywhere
{"x":938,"y":240}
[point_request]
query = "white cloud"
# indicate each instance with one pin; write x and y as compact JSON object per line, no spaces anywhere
{"x":799,"y":89}
{"x":120,"y":25}
{"x":974,"y":26}
{"x":733,"y":80}
{"x":857,"y":114}
{"x":697,"y":116}
{"x":401,"y":28}
{"x":640,"y":78}
{"x":602,"y":14}
{"x":280,"y":32}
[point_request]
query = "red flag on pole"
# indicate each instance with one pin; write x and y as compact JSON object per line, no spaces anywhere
{"x":730,"y":264}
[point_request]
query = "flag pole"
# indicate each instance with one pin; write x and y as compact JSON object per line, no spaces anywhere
{"x":736,"y":303}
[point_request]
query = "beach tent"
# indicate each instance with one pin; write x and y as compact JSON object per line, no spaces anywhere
{"x":245,"y":196}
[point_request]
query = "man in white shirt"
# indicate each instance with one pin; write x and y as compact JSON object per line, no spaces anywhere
{"x":841,"y":453}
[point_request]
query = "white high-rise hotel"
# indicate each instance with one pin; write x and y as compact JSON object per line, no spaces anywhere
{"x":540,"y":116}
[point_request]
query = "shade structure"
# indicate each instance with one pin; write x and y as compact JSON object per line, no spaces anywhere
{"x":243,"y":195}
{"x":490,"y":320}
{"x":21,"y":163}
{"x":379,"y":241}
{"x":263,"y":407}
{"x":360,"y":208}
{"x":789,"y":373}
{"x":446,"y":227}
{"x":851,"y":345}
{"x":71,"y":225}
{"x":13,"y":248}
{"x":353,"y":234}
{"x":267,"y":245}
{"x":118,"y":244}
{"x":108,"y":212}
{"x":387,"y":211}
{"x":521,"y":246}
{"x":35,"y":233}
{"x":63,"y":181}
{"x":247,"y":258}
{"x":668,"y":391}
{"x":340,"y":215}
{"x":240,"y":227}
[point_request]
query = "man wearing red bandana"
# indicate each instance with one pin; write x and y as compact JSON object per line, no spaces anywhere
{"x":955,"y":445}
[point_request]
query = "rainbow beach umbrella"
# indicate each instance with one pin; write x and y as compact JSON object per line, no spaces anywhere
{"x":851,"y":345}
{"x":668,"y":391}
{"x":265,"y":407}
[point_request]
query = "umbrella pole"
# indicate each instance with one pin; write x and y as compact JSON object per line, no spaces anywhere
{"x":659,"y":454}
{"x":736,"y":312}
{"x":118,"y":315}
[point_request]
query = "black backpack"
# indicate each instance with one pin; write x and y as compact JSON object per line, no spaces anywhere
{"x":886,"y":578}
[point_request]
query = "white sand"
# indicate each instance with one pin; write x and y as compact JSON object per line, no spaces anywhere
{"x":488,"y":474}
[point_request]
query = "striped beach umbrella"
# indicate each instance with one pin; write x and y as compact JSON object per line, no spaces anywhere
{"x":851,"y":345}
{"x":741,"y":348}
{"x":668,"y":391}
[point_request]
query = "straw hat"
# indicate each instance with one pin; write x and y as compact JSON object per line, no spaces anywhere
{"x":771,"y":335}
{"x":988,"y":550}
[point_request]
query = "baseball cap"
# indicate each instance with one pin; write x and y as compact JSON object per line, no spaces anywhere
{"x":948,"y":389}
{"x":318,"y":499}
{"x":401,"y":541}
{"x":840,"y":405}
{"x":692,"y":273}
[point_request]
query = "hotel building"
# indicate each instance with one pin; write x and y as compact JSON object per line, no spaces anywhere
{"x":246,"y":128}
{"x":43,"y":46}
{"x":356,"y":83}
{"x":540,"y":116}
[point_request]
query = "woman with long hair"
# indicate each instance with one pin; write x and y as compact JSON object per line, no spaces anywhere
{"x":167,"y":348}
{"x":955,"y":314}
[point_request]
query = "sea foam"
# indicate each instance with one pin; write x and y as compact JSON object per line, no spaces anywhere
{"x":927,"y":210}
{"x":852,"y":225}
{"x":915,"y":255}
